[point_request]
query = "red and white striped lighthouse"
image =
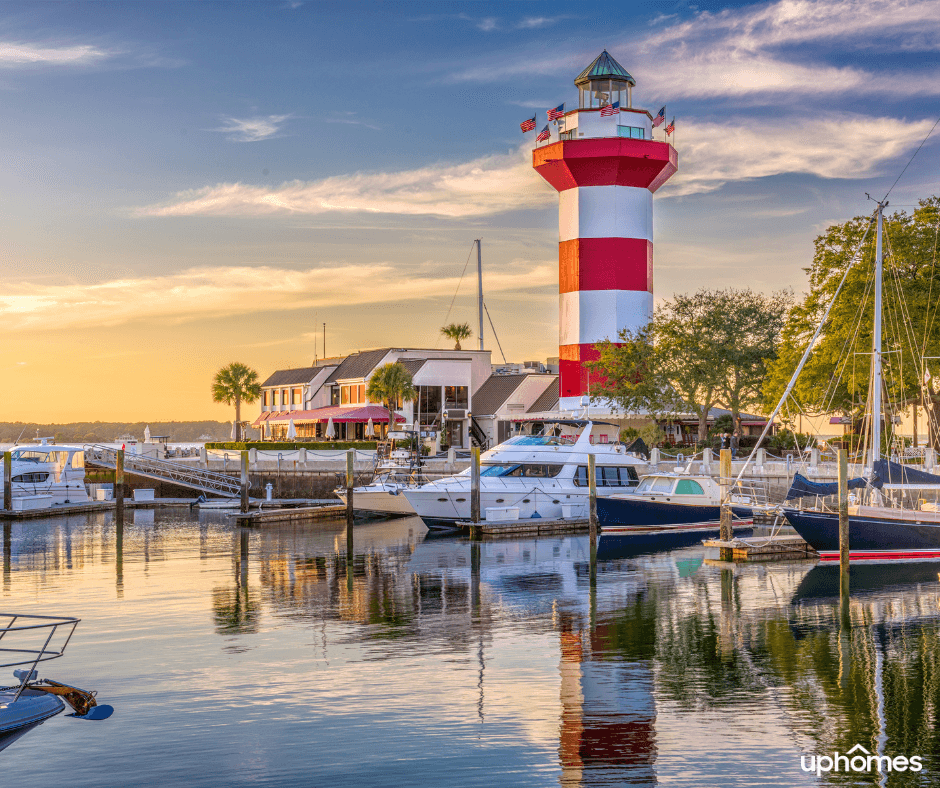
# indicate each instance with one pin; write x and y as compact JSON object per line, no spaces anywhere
{"x":605,"y":164}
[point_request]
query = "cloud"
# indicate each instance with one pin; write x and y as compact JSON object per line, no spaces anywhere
{"x":837,"y":146}
{"x":252,"y":129}
{"x":198,"y":293}
{"x":536,"y":22}
{"x":482,"y":187}
{"x":14,"y":54}
{"x":351,"y":121}
{"x":772,"y":50}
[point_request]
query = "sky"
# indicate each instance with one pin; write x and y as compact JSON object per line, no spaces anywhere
{"x":183,"y":185}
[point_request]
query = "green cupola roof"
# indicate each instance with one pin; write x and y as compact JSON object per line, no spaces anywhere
{"x":604,"y":67}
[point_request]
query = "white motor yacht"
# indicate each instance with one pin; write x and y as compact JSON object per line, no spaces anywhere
{"x":46,"y":474}
{"x":530,"y":476}
{"x":397,"y":468}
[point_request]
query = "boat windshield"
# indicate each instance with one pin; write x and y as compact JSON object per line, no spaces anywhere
{"x":661,"y":484}
{"x":24,"y":455}
{"x":530,"y":469}
{"x":536,"y":440}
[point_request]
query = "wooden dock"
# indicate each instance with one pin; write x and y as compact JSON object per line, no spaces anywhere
{"x":760,"y":548}
{"x":536,"y":525}
{"x":299,"y":514}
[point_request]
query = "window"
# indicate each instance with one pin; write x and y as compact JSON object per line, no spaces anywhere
{"x":30,"y":478}
{"x":264,"y":398}
{"x":662,"y":484}
{"x":362,"y":393}
{"x":608,"y":477}
{"x":429,"y":404}
{"x":456,"y":397}
{"x":530,"y":470}
{"x":632,"y":132}
{"x":689,"y":487}
{"x":628,"y":476}
{"x":581,"y":477}
{"x":603,"y":438}
{"x":296,"y":396}
{"x":334,"y":395}
{"x":284,"y":396}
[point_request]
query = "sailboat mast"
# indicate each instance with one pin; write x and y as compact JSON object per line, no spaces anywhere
{"x":480,"y":287}
{"x":876,"y":348}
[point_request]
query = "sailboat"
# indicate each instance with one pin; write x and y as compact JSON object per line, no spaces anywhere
{"x":880,"y":528}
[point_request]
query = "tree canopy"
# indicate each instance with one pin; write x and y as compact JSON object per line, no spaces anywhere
{"x":837,"y":375}
{"x":234,"y":384}
{"x":700,"y":350}
{"x":390,"y":384}
{"x":457,"y":332}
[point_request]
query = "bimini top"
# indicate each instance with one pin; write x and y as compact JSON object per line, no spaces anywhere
{"x":604,"y":67}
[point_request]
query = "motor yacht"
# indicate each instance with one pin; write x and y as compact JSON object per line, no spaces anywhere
{"x":530,"y":476}
{"x":49,"y":475}
{"x":397,"y":468}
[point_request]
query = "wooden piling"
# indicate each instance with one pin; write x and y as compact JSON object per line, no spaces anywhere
{"x":350,"y":481}
{"x":8,"y":480}
{"x":244,"y":482}
{"x":592,"y":487}
{"x":726,"y":533}
{"x":119,"y":486}
{"x":842,"y":460}
{"x":475,"y":484}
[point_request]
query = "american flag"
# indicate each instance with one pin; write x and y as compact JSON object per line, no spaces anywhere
{"x":660,"y":118}
{"x":555,"y":114}
{"x":671,"y":127}
{"x":610,"y":109}
{"x":544,"y":134}
{"x":527,"y":125}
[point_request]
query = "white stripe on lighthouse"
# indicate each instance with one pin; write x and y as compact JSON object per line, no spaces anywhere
{"x":590,"y":316}
{"x":605,"y":212}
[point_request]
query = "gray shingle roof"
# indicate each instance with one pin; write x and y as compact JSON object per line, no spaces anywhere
{"x":291,"y":377}
{"x":494,"y":392}
{"x":358,"y":365}
{"x":548,"y":399}
{"x":412,"y":364}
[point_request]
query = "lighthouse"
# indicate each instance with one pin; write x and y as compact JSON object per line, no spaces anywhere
{"x":604,"y":163}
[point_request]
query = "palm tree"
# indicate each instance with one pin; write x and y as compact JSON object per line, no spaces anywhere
{"x":456,"y":332}
{"x":389,"y":384}
{"x":233,"y":385}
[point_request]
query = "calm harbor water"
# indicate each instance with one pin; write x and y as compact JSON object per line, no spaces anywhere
{"x":263,"y":657}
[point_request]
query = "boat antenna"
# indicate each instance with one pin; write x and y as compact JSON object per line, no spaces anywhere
{"x":21,"y":435}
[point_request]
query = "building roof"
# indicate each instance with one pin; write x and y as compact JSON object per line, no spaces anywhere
{"x":494,"y":392}
{"x":412,"y":364}
{"x":291,"y":377}
{"x":549,"y":398}
{"x":604,"y":66}
{"x":358,"y":365}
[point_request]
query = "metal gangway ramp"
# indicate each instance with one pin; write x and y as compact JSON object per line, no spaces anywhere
{"x":180,"y":473}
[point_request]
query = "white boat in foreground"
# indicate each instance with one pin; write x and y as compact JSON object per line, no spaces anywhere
{"x":530,"y":476}
{"x":28,"y":641}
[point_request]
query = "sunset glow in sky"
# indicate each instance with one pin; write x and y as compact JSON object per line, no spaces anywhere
{"x":188,"y":184}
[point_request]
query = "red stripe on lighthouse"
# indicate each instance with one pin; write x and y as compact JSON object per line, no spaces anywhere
{"x":606,"y":161}
{"x":573,"y":375}
{"x":605,"y":264}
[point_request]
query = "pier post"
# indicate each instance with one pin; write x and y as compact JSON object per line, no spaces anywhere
{"x":929,"y":456}
{"x":592,"y":487}
{"x":350,"y":481}
{"x":842,"y":460}
{"x":724,"y":478}
{"x":475,"y":484}
{"x":707,"y":461}
{"x":244,"y":482}
{"x":7,"y":554}
{"x":8,"y":480}
{"x":654,"y":459}
{"x":119,"y":486}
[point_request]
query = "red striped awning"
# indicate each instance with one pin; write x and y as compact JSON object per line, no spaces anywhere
{"x":338,"y":413}
{"x":263,"y":417}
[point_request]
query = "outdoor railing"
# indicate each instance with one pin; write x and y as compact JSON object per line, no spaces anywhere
{"x":32,"y":629}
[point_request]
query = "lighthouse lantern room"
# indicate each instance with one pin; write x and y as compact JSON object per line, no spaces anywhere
{"x":604,"y":163}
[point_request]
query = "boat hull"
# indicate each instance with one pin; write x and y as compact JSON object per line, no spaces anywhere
{"x":379,"y":501}
{"x":870,"y":538}
{"x":639,"y":512}
{"x":31,"y":709}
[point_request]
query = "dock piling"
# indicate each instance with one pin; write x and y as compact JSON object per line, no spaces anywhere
{"x":724,"y":474}
{"x":842,"y":459}
{"x":475,"y":484}
{"x":592,"y":487}
{"x":350,"y":480}
{"x":8,"y":480}
{"x":244,"y":482}
{"x":119,"y":486}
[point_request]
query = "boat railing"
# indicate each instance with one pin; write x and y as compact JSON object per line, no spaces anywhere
{"x":21,"y":633}
{"x":755,"y":491}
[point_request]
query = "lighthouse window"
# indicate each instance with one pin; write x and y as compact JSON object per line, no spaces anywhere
{"x":632,"y":132}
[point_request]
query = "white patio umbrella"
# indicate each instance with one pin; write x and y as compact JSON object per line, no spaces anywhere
{"x":291,"y":430}
{"x":234,"y":430}
{"x":147,"y":434}
{"x":370,"y":428}
{"x":330,"y":432}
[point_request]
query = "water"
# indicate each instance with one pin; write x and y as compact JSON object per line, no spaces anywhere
{"x":254,"y":658}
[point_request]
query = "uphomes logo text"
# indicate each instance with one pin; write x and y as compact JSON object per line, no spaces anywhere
{"x":858,"y":759}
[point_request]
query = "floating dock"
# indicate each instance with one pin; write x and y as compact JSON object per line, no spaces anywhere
{"x":534,"y":525}
{"x":760,"y":548}
{"x":299,"y":514}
